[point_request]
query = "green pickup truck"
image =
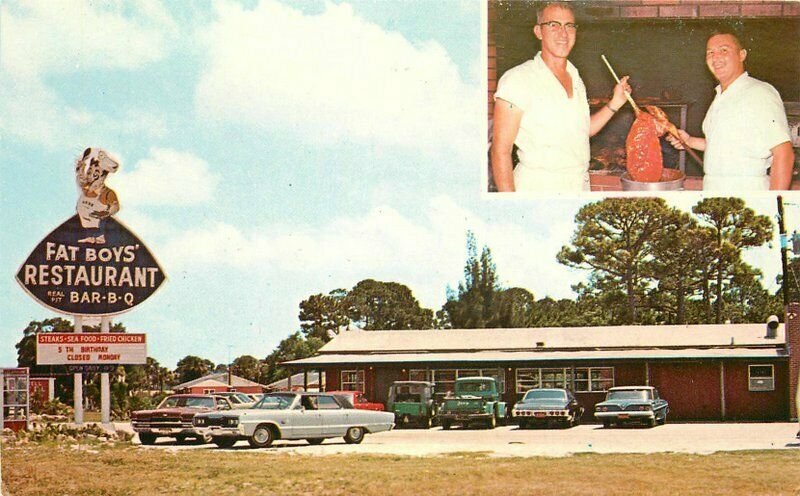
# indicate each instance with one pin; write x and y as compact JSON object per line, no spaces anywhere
{"x":477,"y":399}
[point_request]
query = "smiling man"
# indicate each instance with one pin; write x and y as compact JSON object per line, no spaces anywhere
{"x":541,"y":106}
{"x":746,"y":130}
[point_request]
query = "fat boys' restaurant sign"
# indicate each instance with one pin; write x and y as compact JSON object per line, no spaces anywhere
{"x":91,"y":264}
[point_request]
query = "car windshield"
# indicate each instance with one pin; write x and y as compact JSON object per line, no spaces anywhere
{"x":275,"y":402}
{"x":474,"y":387}
{"x":187,"y":401}
{"x":542,"y":394}
{"x":629,"y":394}
{"x":243,"y":398}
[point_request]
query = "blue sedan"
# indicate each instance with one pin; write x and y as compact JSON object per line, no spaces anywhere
{"x":632,"y":404}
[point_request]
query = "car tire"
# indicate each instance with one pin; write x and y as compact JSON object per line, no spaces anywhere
{"x":354,"y":435}
{"x":663,"y":419}
{"x":180,"y":439}
{"x":653,"y":421}
{"x":315,"y":441}
{"x":492,"y":423}
{"x":606,"y":424}
{"x":262,"y":437}
{"x":224,"y":442}
{"x":446,"y":424}
{"x":578,"y":416}
{"x":147,"y":438}
{"x":427,"y":422}
{"x":204,"y":439}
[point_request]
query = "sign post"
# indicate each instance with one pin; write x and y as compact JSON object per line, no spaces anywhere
{"x":91,"y":266}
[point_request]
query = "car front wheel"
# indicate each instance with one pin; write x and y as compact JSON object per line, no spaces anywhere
{"x":315,"y":441}
{"x":262,"y":437}
{"x":354,"y":435}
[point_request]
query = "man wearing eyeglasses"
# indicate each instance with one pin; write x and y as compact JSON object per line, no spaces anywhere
{"x":541,"y":106}
{"x":746,"y":130}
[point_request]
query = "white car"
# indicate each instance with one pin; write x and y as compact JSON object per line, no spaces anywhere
{"x":310,"y":416}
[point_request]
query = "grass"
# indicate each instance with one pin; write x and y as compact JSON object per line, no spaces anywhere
{"x":49,"y":469}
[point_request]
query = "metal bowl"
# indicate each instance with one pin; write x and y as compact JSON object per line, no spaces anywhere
{"x":671,"y":180}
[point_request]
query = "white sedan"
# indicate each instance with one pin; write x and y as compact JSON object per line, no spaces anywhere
{"x":310,"y":416}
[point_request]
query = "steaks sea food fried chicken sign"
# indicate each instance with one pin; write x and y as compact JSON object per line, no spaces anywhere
{"x":70,"y":275}
{"x":90,"y":348}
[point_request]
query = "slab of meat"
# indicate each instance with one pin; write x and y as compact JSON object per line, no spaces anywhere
{"x":644,"y":150}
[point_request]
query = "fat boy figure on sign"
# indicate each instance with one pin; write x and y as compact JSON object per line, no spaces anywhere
{"x":96,"y":201}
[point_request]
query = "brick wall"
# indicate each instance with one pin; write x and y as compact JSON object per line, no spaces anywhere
{"x":793,"y":342}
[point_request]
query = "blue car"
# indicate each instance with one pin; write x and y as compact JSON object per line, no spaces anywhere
{"x":625,"y":404}
{"x":547,"y":406}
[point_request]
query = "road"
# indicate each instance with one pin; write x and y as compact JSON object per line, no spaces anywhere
{"x":511,"y":441}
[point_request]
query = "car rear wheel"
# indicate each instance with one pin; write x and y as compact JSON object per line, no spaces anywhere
{"x":606,"y":424}
{"x":147,"y":438}
{"x":354,"y":435}
{"x":224,"y":442}
{"x":262,"y":437}
{"x":446,"y":425}
{"x":315,"y":441}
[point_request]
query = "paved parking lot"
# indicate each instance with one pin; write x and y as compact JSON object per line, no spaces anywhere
{"x":511,"y":441}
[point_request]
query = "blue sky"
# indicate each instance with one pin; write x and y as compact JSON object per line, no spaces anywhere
{"x":270,"y":150}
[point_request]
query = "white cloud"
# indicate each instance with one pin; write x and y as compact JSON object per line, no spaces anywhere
{"x":334,"y":77}
{"x":426,"y":254}
{"x":41,"y":39}
{"x":166,"y":177}
{"x":45,"y":37}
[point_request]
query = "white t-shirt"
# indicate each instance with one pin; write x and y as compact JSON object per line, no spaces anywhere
{"x":742,"y":125}
{"x":553,"y":138}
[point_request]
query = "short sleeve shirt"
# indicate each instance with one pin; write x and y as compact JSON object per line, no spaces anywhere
{"x":554,"y":131}
{"x":741,"y":127}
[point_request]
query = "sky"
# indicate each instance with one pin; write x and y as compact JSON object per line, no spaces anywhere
{"x":269,"y":151}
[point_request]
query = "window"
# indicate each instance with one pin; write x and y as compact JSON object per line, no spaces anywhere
{"x":594,"y":379}
{"x":209,"y":391}
{"x":327,"y":403}
{"x":445,"y":379}
{"x":587,"y":379}
{"x":353,"y":380}
{"x":761,"y":377}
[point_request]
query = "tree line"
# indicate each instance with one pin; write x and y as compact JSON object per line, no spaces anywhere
{"x":646,"y":263}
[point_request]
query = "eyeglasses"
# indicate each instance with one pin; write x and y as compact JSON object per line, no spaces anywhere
{"x":571,"y":27}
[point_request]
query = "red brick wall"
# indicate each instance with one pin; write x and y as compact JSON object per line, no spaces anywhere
{"x":793,"y":342}
{"x":742,"y":404}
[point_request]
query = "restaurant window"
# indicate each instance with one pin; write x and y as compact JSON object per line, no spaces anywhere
{"x":353,"y":380}
{"x":594,"y":379}
{"x":542,"y":378}
{"x":761,"y":377}
{"x":445,"y":379}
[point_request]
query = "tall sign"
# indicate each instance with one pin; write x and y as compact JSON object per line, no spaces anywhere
{"x":91,"y":265}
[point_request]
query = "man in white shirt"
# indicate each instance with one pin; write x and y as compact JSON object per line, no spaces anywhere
{"x":746,"y":131}
{"x":541,"y":106}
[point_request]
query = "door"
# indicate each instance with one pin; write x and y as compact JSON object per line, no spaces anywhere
{"x":334,"y":417}
{"x":307,"y":421}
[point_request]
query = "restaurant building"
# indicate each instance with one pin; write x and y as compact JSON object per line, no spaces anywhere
{"x":719,"y":372}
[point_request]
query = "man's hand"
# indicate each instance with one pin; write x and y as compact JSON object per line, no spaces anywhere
{"x":674,"y":141}
{"x":619,"y":98}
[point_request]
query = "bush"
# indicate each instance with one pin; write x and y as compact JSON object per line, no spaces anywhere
{"x":53,"y":407}
{"x":64,"y":433}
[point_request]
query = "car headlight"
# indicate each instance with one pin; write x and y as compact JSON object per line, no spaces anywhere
{"x":232,"y":421}
{"x":602,"y":408}
{"x":199,"y":421}
{"x":644,"y":407}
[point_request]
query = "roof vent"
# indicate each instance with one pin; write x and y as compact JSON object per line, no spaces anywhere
{"x":540,"y":344}
{"x":772,"y":327}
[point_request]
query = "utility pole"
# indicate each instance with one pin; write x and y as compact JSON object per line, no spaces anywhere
{"x":784,"y":247}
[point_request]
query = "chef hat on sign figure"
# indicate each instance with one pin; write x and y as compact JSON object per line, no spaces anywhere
{"x":96,"y":201}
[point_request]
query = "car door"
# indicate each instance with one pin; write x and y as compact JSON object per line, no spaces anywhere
{"x":307,"y":420}
{"x":335,"y":419}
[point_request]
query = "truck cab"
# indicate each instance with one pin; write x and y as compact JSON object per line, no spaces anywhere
{"x":476,"y":399}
